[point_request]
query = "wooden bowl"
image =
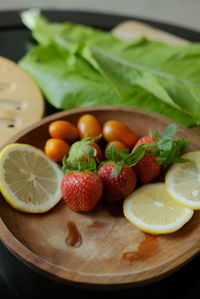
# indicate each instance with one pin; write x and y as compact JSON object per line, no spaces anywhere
{"x":100,"y":249}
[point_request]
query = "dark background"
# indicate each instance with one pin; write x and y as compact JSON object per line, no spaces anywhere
{"x":17,"y":280}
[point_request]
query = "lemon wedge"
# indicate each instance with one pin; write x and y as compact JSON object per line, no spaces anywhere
{"x":29,"y":180}
{"x":153,"y":210}
{"x":183,"y":181}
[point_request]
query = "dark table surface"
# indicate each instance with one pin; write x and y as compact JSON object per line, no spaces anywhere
{"x":17,"y":280}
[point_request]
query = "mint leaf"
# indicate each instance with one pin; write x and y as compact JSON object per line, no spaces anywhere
{"x":170,"y":131}
{"x":167,"y":149}
{"x":165,"y":144}
{"x":171,"y":155}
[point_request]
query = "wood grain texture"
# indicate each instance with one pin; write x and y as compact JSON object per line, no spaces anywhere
{"x":99,"y":249}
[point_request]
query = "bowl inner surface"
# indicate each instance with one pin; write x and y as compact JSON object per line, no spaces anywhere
{"x":100,"y":246}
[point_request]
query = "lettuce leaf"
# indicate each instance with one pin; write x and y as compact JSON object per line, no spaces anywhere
{"x":76,"y":66}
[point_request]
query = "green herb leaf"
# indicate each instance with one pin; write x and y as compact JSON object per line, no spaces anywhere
{"x":170,"y":131}
{"x":165,"y":144}
{"x":169,"y":150}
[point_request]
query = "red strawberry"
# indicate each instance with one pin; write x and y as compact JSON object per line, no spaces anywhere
{"x":163,"y":150}
{"x":119,"y":179}
{"x":117,"y":186}
{"x":81,"y":190}
{"x":81,"y":186}
{"x":147,"y":169}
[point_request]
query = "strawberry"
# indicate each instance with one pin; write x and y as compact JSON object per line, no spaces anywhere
{"x":161,"y":150}
{"x":117,"y":187}
{"x":119,"y":179}
{"x":84,"y":149}
{"x":147,"y":169}
{"x":81,"y":190}
{"x":81,"y":186}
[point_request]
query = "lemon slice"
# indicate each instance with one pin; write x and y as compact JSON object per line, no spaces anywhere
{"x":183,"y":181}
{"x":153,"y":210}
{"x":29,"y":180}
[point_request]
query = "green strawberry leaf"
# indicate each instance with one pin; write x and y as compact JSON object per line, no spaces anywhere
{"x":71,"y":165}
{"x":117,"y":169}
{"x":68,"y":165}
{"x":115,"y":155}
{"x":80,"y":156}
{"x":79,"y":148}
{"x":87,"y":149}
{"x":89,"y":165}
{"x":122,"y":157}
{"x":111,"y":153}
{"x":135,"y":156}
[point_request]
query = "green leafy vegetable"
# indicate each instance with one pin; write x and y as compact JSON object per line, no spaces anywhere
{"x":77,"y":66}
